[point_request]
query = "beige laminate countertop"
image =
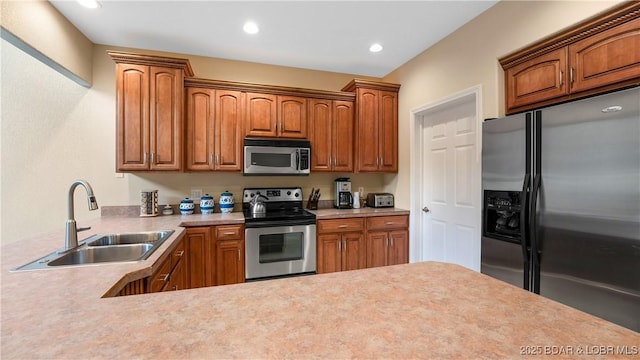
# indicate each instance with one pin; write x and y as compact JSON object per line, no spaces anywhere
{"x":420,"y":310}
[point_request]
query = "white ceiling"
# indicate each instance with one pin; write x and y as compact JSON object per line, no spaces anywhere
{"x":320,"y":35}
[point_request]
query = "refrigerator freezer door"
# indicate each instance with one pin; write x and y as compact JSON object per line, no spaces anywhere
{"x":588,"y":208}
{"x":502,"y":260}
{"x":504,"y":154}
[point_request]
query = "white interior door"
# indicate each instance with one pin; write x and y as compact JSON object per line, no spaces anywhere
{"x":450,"y":184}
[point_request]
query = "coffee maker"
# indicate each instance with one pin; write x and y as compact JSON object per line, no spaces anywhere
{"x":343,"y":197}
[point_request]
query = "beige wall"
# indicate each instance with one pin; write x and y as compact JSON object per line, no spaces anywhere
{"x":37,"y":25}
{"x":469,"y":57}
{"x":54,"y":131}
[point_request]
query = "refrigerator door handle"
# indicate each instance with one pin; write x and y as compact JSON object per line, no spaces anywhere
{"x":535,"y":246}
{"x":524,"y":243}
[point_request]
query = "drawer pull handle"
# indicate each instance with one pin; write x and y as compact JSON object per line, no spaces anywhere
{"x":229,"y":233}
{"x":343,"y":226}
{"x":179,"y":253}
{"x":389,"y":223}
{"x":163,"y":278}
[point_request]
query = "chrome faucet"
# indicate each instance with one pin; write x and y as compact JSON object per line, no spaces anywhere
{"x":71,"y":233}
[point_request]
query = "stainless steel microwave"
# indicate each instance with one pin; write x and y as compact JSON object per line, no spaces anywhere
{"x":276,"y":157}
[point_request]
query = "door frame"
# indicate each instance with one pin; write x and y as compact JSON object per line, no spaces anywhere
{"x":419,"y":116}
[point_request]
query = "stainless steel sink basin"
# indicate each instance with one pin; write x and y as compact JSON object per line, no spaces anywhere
{"x":147,"y":237}
{"x":104,"y":248}
{"x":92,"y":255}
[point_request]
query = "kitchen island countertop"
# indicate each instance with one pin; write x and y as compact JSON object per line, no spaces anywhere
{"x":419,"y":310}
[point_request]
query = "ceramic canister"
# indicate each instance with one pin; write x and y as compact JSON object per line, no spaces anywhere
{"x":206,"y":204}
{"x":226,"y":202}
{"x":186,"y":206}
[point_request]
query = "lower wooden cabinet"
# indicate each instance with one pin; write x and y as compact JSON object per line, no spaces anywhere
{"x":362,"y":242}
{"x":170,"y":275}
{"x":229,"y":254}
{"x":340,"y":245}
{"x":387,"y":240}
{"x":200,"y":249}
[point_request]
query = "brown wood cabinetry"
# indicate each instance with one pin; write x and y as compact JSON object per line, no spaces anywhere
{"x":229,"y":254}
{"x":171,"y":275}
{"x":214,"y":120}
{"x":200,"y":249}
{"x":331,"y":134}
{"x":270,"y":115}
{"x":149,"y":124}
{"x":596,"y":56}
{"x":340,"y":245}
{"x":376,"y":126}
{"x":387,"y":240}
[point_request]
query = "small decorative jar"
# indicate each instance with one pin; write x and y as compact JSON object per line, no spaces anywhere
{"x":206,"y":204}
{"x":226,"y":202}
{"x":167,"y":210}
{"x":186,"y":206}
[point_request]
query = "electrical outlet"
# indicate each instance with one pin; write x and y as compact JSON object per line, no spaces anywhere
{"x":196,"y":194}
{"x":361,"y":191}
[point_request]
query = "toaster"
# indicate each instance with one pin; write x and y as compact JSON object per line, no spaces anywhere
{"x":379,"y":200}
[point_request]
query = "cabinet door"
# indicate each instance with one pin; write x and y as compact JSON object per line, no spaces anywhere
{"x":328,"y":257}
{"x":229,"y":262}
{"x":353,"y":251}
{"x":132,"y":117}
{"x":159,"y":280}
{"x":260,"y":115}
{"x":200,"y":257}
{"x":228,"y":134}
{"x":292,"y":113}
{"x":377,"y":244}
{"x":367,"y":138}
{"x":177,"y":279}
{"x":388,"y":132}
{"x":200,"y":128}
{"x":165,"y":113}
{"x":321,"y":134}
{"x":538,"y":79}
{"x":606,"y":58}
{"x":342,"y":136}
{"x":399,"y":247}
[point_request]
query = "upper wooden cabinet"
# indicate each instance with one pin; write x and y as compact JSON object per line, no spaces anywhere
{"x":149,"y":124}
{"x":214,"y":120}
{"x":376,"y":126}
{"x":599,"y":55}
{"x":331,"y":134}
{"x":270,"y":115}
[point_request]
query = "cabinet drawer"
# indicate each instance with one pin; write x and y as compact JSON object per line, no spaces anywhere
{"x":230,"y":232}
{"x":388,"y":222}
{"x":177,"y":254}
{"x":340,"y":225}
{"x":160,"y":278}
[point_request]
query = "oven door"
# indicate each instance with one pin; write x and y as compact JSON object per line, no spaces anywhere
{"x":280,"y":250}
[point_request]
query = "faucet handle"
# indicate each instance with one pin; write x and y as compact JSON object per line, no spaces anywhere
{"x":83,"y":228}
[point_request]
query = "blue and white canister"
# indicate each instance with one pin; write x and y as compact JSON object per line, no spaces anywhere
{"x":206,"y":204}
{"x":186,"y":206}
{"x":226,"y":202}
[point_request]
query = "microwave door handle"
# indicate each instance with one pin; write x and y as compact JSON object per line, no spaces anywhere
{"x":297,"y":159}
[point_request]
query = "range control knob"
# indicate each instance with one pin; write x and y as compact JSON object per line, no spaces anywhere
{"x":288,"y":193}
{"x":297,"y":194}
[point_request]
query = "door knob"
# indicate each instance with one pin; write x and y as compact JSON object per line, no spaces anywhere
{"x":425,"y":209}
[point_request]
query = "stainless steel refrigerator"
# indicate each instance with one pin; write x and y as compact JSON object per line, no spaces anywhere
{"x":561,"y":211}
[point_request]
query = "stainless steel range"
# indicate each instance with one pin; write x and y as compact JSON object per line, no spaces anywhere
{"x":280,"y":236}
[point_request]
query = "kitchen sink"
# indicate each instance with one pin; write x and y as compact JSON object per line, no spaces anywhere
{"x":148,"y":237}
{"x":103,"y":248}
{"x":92,"y":255}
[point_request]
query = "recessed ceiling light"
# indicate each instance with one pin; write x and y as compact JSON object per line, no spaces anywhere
{"x":250,"y":28}
{"x":375,"y":48}
{"x":91,"y":4}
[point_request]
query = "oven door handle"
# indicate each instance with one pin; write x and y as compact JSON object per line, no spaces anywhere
{"x":274,"y":223}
